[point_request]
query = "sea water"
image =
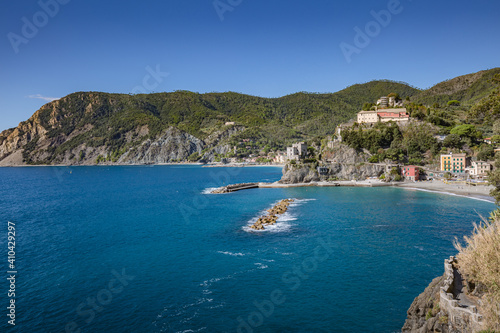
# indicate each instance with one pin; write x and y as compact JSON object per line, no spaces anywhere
{"x":148,"y":249}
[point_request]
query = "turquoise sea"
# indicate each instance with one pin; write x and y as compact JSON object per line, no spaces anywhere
{"x":146,"y":249}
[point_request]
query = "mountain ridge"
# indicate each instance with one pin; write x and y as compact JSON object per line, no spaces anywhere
{"x":96,"y":127}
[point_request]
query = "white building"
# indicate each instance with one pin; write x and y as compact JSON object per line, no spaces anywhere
{"x":480,"y":168}
{"x":384,"y":115}
{"x":368,"y":117}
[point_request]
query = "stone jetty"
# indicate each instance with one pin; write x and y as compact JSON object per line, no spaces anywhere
{"x":235,"y":187}
{"x":272,"y":215}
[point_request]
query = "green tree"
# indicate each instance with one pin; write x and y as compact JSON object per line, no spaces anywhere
{"x":467,"y":131}
{"x":368,"y":106}
{"x":453,"y":141}
{"x":395,"y":95}
{"x":495,"y":139}
{"x":494,"y":180}
{"x":486,"y":152}
{"x":488,"y":109}
{"x":194,"y":157}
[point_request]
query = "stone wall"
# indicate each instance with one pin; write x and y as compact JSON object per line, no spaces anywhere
{"x":461,"y":317}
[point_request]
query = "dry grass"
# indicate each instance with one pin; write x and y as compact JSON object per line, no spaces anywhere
{"x":479,"y":261}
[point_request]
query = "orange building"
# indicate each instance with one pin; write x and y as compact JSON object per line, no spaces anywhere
{"x":453,"y":162}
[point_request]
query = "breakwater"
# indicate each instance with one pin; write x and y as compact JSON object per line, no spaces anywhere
{"x":272,"y":215}
{"x":245,"y":186}
{"x":234,"y":188}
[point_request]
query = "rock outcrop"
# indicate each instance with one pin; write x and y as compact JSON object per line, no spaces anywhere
{"x":341,"y":162}
{"x":424,"y":314}
{"x":173,"y":144}
{"x":293,"y":174}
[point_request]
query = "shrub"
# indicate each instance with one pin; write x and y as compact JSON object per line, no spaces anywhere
{"x":454,"y":102}
{"x":397,"y":178}
{"x":428,"y":315}
{"x":194,"y":157}
{"x":479,"y":261}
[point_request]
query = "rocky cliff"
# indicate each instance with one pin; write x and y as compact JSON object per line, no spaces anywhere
{"x":341,"y":162}
{"x":90,"y":128}
{"x":424,"y":313}
{"x":448,"y":304}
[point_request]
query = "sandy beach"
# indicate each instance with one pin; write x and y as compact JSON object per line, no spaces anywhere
{"x":480,"y":192}
{"x":477,"y":192}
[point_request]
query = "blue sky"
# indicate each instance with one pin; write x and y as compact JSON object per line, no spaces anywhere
{"x":264,"y":48}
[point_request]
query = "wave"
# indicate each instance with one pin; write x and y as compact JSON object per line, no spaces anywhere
{"x":172,"y":316}
{"x":209,"y":190}
{"x":233,"y":254}
{"x":282,"y":223}
{"x":278,"y":227}
{"x":189,"y":331}
{"x":299,"y":202}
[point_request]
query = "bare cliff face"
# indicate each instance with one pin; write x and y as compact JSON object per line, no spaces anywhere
{"x":342,"y":162}
{"x":90,"y":128}
{"x":174,"y":144}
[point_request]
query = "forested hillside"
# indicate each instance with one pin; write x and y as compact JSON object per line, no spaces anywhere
{"x":113,"y":124}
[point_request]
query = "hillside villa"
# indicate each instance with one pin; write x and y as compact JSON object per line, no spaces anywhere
{"x":382,"y":115}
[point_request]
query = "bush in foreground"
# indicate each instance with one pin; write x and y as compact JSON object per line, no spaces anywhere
{"x":479,"y":261}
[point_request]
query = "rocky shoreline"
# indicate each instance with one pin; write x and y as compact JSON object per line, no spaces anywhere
{"x":272,"y":215}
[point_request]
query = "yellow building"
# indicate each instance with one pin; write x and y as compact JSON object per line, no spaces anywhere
{"x":453,"y":162}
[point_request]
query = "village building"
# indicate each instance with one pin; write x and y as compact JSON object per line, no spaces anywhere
{"x":384,"y":102}
{"x":383,"y":115}
{"x":480,"y":168}
{"x":280,"y":157}
{"x":454,"y":162}
{"x":368,"y":117}
{"x":410,"y":172}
